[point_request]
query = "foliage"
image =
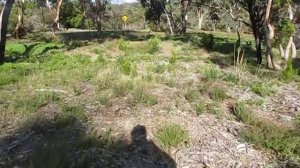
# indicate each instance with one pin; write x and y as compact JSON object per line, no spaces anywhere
{"x":153,"y":45}
{"x":171,"y":135}
{"x":218,"y":94}
{"x":141,"y":95}
{"x":289,"y":73}
{"x":191,"y":95}
{"x":262,"y":89}
{"x":200,"y":108}
{"x":211,"y":73}
{"x":122,"y":44}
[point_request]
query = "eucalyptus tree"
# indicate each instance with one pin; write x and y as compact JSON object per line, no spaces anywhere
{"x":4,"y":16}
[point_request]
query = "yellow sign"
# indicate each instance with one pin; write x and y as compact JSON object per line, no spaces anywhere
{"x":124,"y":18}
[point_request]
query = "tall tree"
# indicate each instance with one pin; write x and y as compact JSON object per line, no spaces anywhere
{"x":20,"y":25}
{"x":3,"y":26}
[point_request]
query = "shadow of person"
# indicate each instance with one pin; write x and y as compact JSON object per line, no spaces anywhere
{"x":66,"y":143}
{"x":146,"y":153}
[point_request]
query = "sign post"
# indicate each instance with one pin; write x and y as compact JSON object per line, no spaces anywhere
{"x":124,"y":18}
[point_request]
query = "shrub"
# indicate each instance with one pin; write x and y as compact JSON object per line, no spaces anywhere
{"x":239,"y":110}
{"x":213,"y":108}
{"x":153,"y":45}
{"x":289,"y":72}
{"x":122,"y":88}
{"x":211,"y":73}
{"x":122,"y":44}
{"x":127,"y":67}
{"x":171,"y":135}
{"x":218,"y":94}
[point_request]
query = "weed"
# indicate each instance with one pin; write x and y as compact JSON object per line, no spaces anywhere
{"x":122,"y":88}
{"x":218,"y":94}
{"x":256,"y":102}
{"x":153,"y":45}
{"x":122,"y":44}
{"x":232,"y":78}
{"x":289,"y":72}
{"x":239,"y":110}
{"x":213,"y":108}
{"x":262,"y":89}
{"x":171,"y":135}
{"x":173,"y":58}
{"x":127,"y":67}
{"x":200,"y":108}
{"x":211,"y":73}
{"x":104,"y":100}
{"x":191,"y":95}
{"x":140,"y":95}
{"x":160,"y":68}
{"x":297,"y":121}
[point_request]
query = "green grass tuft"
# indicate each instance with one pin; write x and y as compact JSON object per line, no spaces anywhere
{"x":262,"y":89}
{"x":171,"y":135}
{"x":218,"y":94}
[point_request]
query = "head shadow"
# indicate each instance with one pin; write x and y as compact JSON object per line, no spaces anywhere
{"x":64,"y":142}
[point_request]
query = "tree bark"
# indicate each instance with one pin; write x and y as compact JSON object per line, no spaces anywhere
{"x":200,"y":14}
{"x":184,"y":10}
{"x":3,"y":26}
{"x":56,"y":19}
{"x":269,"y":34}
{"x":20,"y":25}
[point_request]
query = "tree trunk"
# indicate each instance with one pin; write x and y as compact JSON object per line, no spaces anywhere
{"x":290,"y":45}
{"x":56,"y":19}
{"x":3,"y":26}
{"x":184,"y":10}
{"x":200,"y":14}
{"x":169,"y":22}
{"x":20,"y":25}
{"x":269,"y":34}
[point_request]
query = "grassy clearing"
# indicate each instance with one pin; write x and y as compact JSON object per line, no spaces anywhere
{"x":284,"y":141}
{"x":171,"y":135}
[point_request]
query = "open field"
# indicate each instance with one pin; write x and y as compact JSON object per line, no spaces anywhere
{"x":136,"y":99}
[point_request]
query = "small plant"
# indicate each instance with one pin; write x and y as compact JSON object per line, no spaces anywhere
{"x":200,"y":108}
{"x":122,"y":44}
{"x":153,"y":45}
{"x":211,"y":73}
{"x":218,"y":94}
{"x":191,"y":95}
{"x":213,"y":108}
{"x":160,"y":68}
{"x":173,"y":58}
{"x":289,"y":72}
{"x":262,"y":89}
{"x":232,"y":78}
{"x":104,"y":100}
{"x":122,"y":88}
{"x":140,"y":95}
{"x":239,"y":110}
{"x":127,"y":67}
{"x":171,"y":135}
{"x":297,"y":121}
{"x":256,"y":102}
